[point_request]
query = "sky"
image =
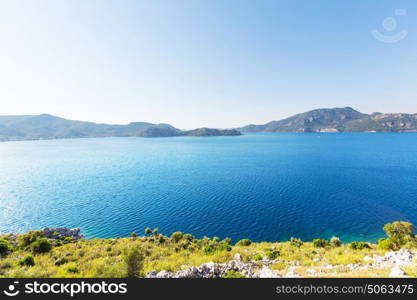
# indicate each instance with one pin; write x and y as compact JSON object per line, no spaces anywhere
{"x":213,"y":63}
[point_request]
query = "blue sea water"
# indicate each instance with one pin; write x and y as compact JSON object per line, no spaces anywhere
{"x":267,"y":186}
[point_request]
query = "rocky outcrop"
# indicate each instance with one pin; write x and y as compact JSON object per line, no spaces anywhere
{"x":57,"y":232}
{"x":262,"y":269}
{"x":216,"y":270}
{"x":403,"y":257}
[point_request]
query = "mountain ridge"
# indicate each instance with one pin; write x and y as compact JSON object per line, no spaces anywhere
{"x":346,"y":119}
{"x":46,"y":126}
{"x":336,"y":119}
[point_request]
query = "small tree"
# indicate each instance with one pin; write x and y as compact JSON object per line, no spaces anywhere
{"x":400,"y":232}
{"x":296,"y":242}
{"x":133,"y":235}
{"x":320,"y":243}
{"x":244,"y":242}
{"x":155,"y":231}
{"x":335,"y":242}
{"x":148,"y":230}
{"x":176,"y":236}
{"x":359,"y":245}
{"x":134,"y":259}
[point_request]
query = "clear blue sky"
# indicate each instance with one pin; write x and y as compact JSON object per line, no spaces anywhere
{"x":196,"y":63}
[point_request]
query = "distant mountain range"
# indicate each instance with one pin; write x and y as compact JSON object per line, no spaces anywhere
{"x":319,"y":120}
{"x":339,"y":120}
{"x":51,"y":127}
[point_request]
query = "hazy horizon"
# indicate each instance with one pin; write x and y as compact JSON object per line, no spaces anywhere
{"x":197,"y":64}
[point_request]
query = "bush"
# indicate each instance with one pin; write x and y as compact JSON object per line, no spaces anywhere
{"x":133,"y":235}
{"x":272,"y":254}
{"x":227,"y":241}
{"x":224,"y":246}
{"x":134,"y":258}
{"x":335,"y":242}
{"x":386,"y":244}
{"x":61,"y":261}
{"x":209,"y":250}
{"x":176,"y":236}
{"x":244,"y":242}
{"x":233,"y":274}
{"x":320,"y":243}
{"x":28,"y":261}
{"x":359,"y":245}
{"x":400,"y":232}
{"x":28,"y":238}
{"x":41,"y":245}
{"x":4,"y":247}
{"x":72,"y":269}
{"x":257,"y":257}
{"x":148,"y":230}
{"x":296,"y":242}
{"x":188,"y":237}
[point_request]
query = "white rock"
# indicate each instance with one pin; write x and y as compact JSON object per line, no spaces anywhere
{"x":237,"y":257}
{"x":397,"y":272}
{"x":266,"y":272}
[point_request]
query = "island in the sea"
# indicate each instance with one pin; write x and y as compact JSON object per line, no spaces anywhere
{"x":347,"y":119}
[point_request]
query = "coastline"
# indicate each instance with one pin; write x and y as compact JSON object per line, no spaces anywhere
{"x":63,"y":252}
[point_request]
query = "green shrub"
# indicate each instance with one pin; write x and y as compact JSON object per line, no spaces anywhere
{"x":66,"y":239}
{"x":188,"y":237}
{"x":272,"y":254}
{"x":320,"y":243}
{"x":209,"y":250}
{"x":73,"y":269}
{"x":335,"y":242}
{"x":224,"y":246}
{"x":257,"y":257}
{"x":4,"y":247}
{"x":148,"y":230}
{"x":28,"y":238}
{"x":233,"y":274}
{"x":134,"y":259}
{"x":176,"y":236}
{"x":296,"y":242}
{"x":359,"y":245}
{"x":244,"y":242}
{"x":227,"y":241}
{"x":61,"y":261}
{"x":133,"y":235}
{"x":28,"y":261}
{"x":386,"y":244}
{"x":41,"y":245}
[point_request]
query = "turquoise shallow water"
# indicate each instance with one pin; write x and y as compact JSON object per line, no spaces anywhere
{"x":257,"y":186}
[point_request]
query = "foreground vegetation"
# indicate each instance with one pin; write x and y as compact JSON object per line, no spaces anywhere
{"x":33,"y":255}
